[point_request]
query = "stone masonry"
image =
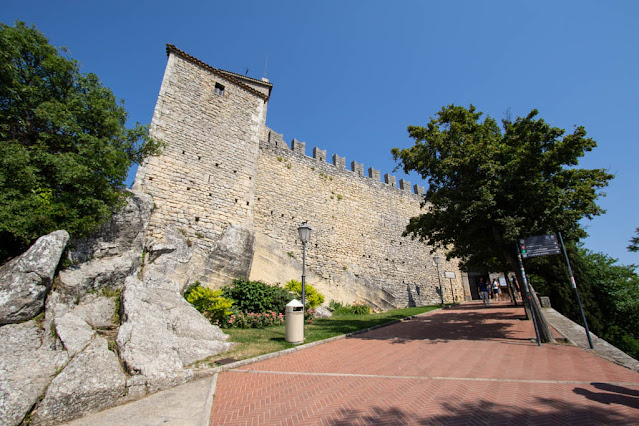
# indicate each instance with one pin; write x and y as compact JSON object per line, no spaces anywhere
{"x":236,"y":191}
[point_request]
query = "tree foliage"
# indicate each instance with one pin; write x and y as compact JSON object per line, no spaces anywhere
{"x":609,"y":292}
{"x":64,"y":148}
{"x":488,"y":185}
{"x":634,"y":242}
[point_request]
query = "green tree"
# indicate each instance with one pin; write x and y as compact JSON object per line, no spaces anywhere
{"x":634,"y":242}
{"x":64,"y":147}
{"x":490,"y":185}
{"x":609,"y":292}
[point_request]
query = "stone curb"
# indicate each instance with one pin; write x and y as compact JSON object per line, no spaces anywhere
{"x":199,"y":374}
{"x":205,"y":416}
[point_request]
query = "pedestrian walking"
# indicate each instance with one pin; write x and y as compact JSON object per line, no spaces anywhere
{"x":482,"y":285}
{"x":495,"y":287}
{"x":516,"y":288}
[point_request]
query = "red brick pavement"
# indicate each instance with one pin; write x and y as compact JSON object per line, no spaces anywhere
{"x":466,"y":365}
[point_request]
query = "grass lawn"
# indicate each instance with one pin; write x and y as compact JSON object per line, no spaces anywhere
{"x":252,"y":342}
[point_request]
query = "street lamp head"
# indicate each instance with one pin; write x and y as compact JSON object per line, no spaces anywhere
{"x":305,"y":232}
{"x":437,"y":259}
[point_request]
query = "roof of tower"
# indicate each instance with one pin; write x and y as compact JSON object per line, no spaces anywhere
{"x":235,"y":78}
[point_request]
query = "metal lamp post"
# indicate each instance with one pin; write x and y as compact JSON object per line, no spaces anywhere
{"x":305,"y":236}
{"x":437,"y":259}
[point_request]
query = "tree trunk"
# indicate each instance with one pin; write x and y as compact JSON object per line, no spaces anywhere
{"x":509,"y":286}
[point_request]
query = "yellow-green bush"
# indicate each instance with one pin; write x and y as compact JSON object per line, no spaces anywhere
{"x":313,"y":297}
{"x":209,"y":302}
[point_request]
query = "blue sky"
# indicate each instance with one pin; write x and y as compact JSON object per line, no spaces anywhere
{"x":350,"y":76}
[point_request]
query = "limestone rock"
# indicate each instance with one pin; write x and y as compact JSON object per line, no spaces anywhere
{"x":124,"y":232}
{"x":92,"y":381}
{"x":234,"y":253}
{"x":112,"y":254}
{"x":74,"y":333}
{"x":323,"y":312}
{"x":162,"y":333}
{"x":99,"y":273}
{"x":26,"y":369}
{"x":75,"y":319}
{"x":97,"y":311}
{"x":25,"y":280}
{"x":168,"y":259}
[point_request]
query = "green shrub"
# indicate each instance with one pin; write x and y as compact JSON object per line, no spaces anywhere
{"x":249,"y":296}
{"x":256,"y":296}
{"x":357,"y":308}
{"x":360,"y":308}
{"x":279,"y":298}
{"x":313,"y":297}
{"x":209,"y":302}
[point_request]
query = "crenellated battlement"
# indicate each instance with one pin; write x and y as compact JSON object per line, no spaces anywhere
{"x":297,"y":148}
{"x":230,"y":193}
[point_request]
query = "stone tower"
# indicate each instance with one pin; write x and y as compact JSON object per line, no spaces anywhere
{"x":229,"y":194}
{"x":203,"y":184}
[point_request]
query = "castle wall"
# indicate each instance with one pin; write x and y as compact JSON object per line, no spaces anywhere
{"x":357,"y":249}
{"x":229,"y":195}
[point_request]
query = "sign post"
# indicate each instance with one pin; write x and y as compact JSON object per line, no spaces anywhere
{"x":450,"y":275}
{"x":544,"y":245}
{"x":574,"y":286}
{"x":541,"y":245}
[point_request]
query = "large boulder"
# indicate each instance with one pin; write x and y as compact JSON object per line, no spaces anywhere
{"x":167,"y":260}
{"x":124,"y":232}
{"x":112,"y":254}
{"x":26,"y":280}
{"x":98,"y":274}
{"x":323,"y":312}
{"x":92,"y":381}
{"x":26,"y":369}
{"x":162,"y":333}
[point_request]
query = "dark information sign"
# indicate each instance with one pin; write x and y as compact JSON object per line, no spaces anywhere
{"x":541,"y":245}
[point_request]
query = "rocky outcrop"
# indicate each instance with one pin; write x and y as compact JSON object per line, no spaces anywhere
{"x":161,"y":334}
{"x":74,"y":332}
{"x":26,"y":280}
{"x":233,"y":255}
{"x":113,"y":254}
{"x":92,"y":381}
{"x":164,"y":259}
{"x":126,"y":231}
{"x":106,"y":336}
{"x":26,"y":369}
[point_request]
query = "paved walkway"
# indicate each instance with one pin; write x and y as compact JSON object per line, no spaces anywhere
{"x":464,"y":365}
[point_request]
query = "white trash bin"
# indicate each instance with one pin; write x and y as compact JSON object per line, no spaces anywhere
{"x":295,"y":322}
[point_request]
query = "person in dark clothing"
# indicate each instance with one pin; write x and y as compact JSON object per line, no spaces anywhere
{"x":516,"y":288}
{"x":483,"y":291}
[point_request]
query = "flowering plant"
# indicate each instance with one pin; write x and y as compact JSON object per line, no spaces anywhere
{"x":253,"y":320}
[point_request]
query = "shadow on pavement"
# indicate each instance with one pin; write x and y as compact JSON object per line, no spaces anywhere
{"x":474,"y":322}
{"x":546,"y":411}
{"x":615,"y":395}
